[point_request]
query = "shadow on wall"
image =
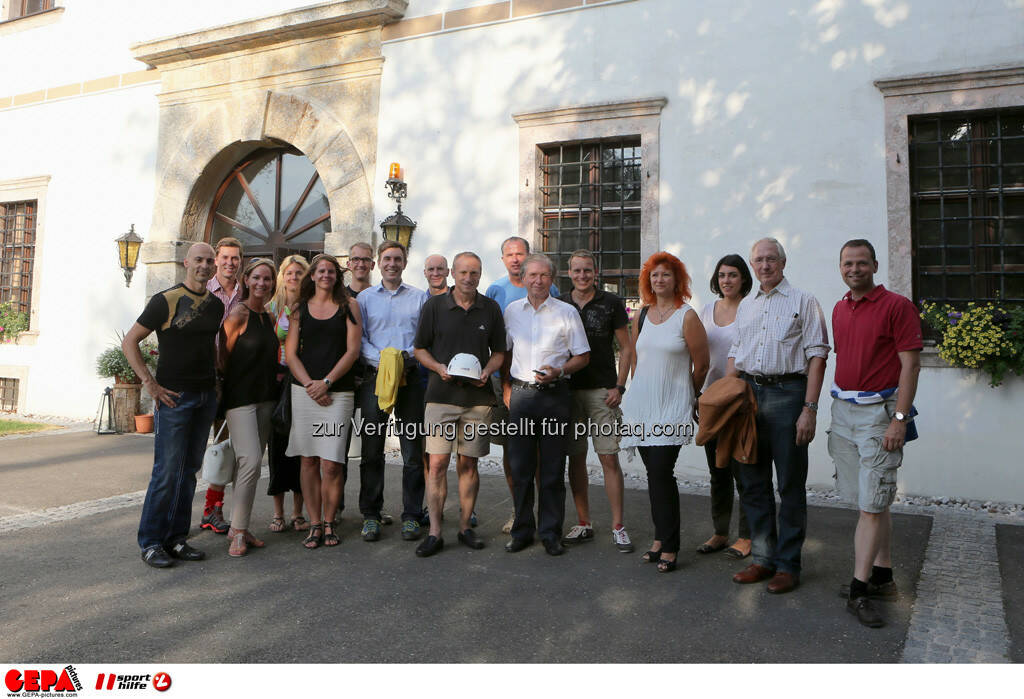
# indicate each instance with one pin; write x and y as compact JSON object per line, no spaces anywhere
{"x":749,"y":148}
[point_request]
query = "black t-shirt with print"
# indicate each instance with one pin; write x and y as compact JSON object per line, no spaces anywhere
{"x":602,"y":316}
{"x":186,"y":326}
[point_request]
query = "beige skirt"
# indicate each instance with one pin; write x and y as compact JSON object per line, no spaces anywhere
{"x":320,"y":430}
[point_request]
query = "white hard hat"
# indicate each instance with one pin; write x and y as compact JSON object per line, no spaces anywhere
{"x":465,"y":365}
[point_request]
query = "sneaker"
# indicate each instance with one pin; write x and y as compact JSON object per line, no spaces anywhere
{"x":507,"y":527}
{"x":371,"y":530}
{"x":411,"y":530}
{"x":578,"y":534}
{"x":214,"y":520}
{"x":621,"y":539}
{"x":157,"y":557}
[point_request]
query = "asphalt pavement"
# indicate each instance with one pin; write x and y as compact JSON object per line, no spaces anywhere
{"x":76,"y":590}
{"x":1010,"y":544}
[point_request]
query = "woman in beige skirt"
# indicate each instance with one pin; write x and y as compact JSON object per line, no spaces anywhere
{"x":324,"y":336}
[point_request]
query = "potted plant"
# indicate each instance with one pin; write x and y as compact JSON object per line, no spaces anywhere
{"x":112,"y":363}
{"x":12,"y":322}
{"x":987,"y":336}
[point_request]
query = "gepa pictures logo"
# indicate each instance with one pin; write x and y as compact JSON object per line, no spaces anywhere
{"x":45,"y":682}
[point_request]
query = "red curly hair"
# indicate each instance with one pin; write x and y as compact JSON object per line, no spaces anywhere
{"x":682,"y":290}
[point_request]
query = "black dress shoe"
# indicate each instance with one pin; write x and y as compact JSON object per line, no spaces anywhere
{"x":157,"y":557}
{"x":865,"y":612}
{"x":183,"y":552}
{"x":553,"y":547}
{"x":470,"y":539}
{"x":517,"y":545}
{"x":430,"y":546}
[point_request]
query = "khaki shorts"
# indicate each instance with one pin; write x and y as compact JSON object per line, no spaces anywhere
{"x":865,"y":471}
{"x":591,"y":417}
{"x":451,"y":426}
{"x":499,"y":413}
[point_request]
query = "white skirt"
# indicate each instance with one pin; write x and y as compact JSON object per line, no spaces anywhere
{"x":319,"y":430}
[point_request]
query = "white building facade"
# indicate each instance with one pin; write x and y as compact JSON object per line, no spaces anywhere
{"x":625,"y":126}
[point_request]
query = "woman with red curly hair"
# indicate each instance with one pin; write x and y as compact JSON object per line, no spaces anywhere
{"x":671,"y":361}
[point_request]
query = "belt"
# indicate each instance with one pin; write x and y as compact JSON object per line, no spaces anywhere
{"x":771,"y":380}
{"x":524,"y":385}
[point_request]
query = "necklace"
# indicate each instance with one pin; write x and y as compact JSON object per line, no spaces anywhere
{"x":662,"y":315}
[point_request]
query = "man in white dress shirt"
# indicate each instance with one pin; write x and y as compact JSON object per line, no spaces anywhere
{"x":547,"y":343}
{"x":780,"y":350}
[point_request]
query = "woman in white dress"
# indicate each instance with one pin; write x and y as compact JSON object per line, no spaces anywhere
{"x":731,"y":282}
{"x":671,"y":362}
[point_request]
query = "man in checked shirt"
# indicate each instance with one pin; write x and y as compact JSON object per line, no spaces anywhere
{"x":780,"y":350}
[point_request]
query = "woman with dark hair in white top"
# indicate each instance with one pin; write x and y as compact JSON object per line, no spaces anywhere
{"x":731,"y":282}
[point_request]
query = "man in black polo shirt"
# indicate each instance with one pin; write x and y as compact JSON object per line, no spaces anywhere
{"x":596,"y":393}
{"x":186,"y":319}
{"x":460,"y":322}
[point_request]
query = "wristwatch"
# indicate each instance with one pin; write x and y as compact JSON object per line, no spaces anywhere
{"x":327,"y":382}
{"x":811,"y":404}
{"x":900,"y":417}
{"x":622,"y":390}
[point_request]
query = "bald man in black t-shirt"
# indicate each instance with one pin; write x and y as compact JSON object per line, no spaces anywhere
{"x":186,"y":319}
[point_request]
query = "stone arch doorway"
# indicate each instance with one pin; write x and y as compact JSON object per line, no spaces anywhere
{"x":274,"y":202}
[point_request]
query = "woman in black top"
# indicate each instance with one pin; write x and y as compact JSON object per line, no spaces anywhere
{"x":250,"y":371}
{"x":323,"y":344}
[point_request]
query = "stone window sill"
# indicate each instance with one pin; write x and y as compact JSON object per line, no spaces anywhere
{"x":38,"y":19}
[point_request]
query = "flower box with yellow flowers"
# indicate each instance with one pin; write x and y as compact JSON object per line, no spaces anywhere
{"x":987,"y":336}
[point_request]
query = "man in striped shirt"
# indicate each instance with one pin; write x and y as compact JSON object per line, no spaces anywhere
{"x":780,"y":350}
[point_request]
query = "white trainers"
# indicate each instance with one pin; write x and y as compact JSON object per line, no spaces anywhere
{"x":578,"y":534}
{"x":621,"y":539}
{"x":507,"y":527}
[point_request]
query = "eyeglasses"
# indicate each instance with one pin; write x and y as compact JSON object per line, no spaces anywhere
{"x":771,"y":260}
{"x":360,"y":260}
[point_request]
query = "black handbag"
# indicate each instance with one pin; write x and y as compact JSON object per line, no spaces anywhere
{"x":281,"y":418}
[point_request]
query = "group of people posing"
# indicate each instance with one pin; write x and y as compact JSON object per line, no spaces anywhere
{"x":539,"y":373}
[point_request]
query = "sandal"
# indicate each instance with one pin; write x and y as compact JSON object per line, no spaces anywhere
{"x":252,"y":540}
{"x":315,"y":538}
{"x":651,"y":556}
{"x":277,"y":524}
{"x":666,"y":566}
{"x":299,"y":523}
{"x":237,"y":549}
{"x":330,"y":539}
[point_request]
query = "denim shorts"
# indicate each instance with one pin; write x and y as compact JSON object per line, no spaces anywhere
{"x":865,"y":471}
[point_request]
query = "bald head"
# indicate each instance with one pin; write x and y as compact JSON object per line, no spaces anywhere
{"x":200,"y":266}
{"x":435,"y":269}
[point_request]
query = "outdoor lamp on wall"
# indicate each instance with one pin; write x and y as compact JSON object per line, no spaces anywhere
{"x":128,"y":253}
{"x":397,"y":226}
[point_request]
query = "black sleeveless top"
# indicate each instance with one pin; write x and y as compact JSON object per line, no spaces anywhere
{"x":322,"y":343}
{"x":251,"y":374}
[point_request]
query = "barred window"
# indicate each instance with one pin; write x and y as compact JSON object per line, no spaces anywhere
{"x":590,"y":198}
{"x":23,"y":8}
{"x":967,"y":198}
{"x":8,"y":395}
{"x":17,"y":253}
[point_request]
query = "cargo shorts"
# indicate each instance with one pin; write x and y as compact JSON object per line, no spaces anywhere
{"x":592,"y":418}
{"x":865,"y":472}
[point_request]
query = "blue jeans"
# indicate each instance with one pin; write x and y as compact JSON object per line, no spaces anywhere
{"x":777,"y":547}
{"x":181,"y":434}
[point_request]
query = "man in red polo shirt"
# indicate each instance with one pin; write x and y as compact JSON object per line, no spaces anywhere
{"x":878,"y":345}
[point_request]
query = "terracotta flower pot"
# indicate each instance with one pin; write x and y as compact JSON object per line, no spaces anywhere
{"x":144,"y":423}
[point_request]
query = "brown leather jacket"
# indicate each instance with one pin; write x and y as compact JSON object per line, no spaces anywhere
{"x":727,"y":412}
